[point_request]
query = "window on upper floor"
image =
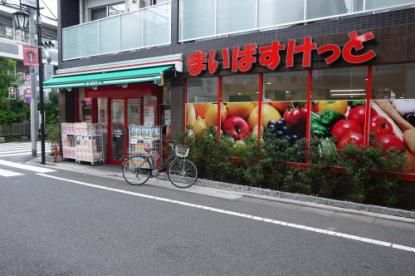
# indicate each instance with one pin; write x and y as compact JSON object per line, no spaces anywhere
{"x":105,"y":11}
{"x":147,"y":3}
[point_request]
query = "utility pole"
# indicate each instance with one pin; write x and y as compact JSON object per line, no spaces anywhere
{"x":41,"y":95}
{"x":33,"y":86}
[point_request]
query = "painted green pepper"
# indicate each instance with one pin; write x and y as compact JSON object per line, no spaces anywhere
{"x":330,"y":117}
{"x":317,"y":128}
{"x":357,"y":102}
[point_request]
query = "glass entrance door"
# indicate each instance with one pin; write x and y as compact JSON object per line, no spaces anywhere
{"x":117,"y":130}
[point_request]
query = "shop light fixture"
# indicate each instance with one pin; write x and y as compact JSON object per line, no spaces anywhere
{"x":347,"y":95}
{"x":269,"y":83}
{"x":335,"y":91}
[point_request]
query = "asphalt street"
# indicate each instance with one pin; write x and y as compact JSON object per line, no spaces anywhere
{"x":65,"y":223}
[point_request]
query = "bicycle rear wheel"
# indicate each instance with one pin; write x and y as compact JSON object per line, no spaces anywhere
{"x":182,"y":173}
{"x":136,"y":170}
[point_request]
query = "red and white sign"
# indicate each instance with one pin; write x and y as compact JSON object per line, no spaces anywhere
{"x":243,"y":59}
{"x":30,"y":56}
{"x":27,"y":95}
{"x":12,"y":93}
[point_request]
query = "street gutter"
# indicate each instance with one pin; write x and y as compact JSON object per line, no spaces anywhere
{"x":347,"y":207}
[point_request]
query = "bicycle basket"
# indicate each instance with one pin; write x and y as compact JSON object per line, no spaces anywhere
{"x":181,"y":151}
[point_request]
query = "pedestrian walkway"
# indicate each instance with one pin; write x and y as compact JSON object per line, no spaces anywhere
{"x":18,"y":169}
{"x":20,"y":148}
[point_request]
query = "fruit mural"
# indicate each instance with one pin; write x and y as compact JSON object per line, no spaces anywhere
{"x":334,"y":123}
{"x":391,"y":125}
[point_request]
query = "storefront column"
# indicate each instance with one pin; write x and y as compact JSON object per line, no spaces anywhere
{"x":219,"y":100}
{"x":260,"y":100}
{"x":366,"y":131}
{"x":177,"y":101}
{"x":308,"y":119}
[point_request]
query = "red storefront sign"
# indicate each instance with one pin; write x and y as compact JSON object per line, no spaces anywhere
{"x":269,"y":56}
{"x":30,"y":56}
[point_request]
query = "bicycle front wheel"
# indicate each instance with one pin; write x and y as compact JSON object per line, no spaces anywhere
{"x":136,"y":170}
{"x":182,"y":173}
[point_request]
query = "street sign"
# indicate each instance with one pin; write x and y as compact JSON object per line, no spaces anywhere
{"x":12,"y":93}
{"x":27,"y":95}
{"x":29,"y":3}
{"x":30,"y":56}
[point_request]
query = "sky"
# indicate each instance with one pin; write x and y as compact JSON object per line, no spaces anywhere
{"x":51,"y":4}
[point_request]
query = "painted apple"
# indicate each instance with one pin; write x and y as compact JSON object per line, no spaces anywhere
{"x":236,"y":127}
{"x":241,"y":109}
{"x":211,"y":116}
{"x":269,"y":113}
{"x":199,"y":125}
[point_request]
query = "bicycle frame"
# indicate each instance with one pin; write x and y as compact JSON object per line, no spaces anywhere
{"x":172,"y":157}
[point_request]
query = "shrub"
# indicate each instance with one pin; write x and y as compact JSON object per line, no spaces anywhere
{"x":355,"y":174}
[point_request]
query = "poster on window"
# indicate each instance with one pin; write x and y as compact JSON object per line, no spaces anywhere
{"x":149,"y":115}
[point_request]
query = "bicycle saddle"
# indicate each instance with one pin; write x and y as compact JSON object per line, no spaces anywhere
{"x":148,"y":150}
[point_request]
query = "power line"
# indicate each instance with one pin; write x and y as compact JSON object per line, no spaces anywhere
{"x":47,"y":7}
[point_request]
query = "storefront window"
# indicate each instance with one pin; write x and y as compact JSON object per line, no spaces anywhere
{"x":340,"y":84}
{"x":392,"y":122}
{"x":233,"y":16}
{"x":339,"y":114}
{"x":201,"y":110}
{"x":286,"y":94}
{"x":375,"y":4}
{"x":324,"y":8}
{"x":271,"y":12}
{"x":197,"y":18}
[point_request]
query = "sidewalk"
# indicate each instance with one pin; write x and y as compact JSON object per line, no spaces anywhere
{"x":234,"y":191}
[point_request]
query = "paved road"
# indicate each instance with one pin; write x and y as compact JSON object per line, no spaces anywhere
{"x":65,"y":223}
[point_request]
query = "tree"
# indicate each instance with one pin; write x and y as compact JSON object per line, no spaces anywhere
{"x":11,"y":111}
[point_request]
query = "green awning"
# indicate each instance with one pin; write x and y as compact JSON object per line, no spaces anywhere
{"x":152,"y":74}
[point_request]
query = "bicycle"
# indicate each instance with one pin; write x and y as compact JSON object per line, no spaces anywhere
{"x":182,"y":172}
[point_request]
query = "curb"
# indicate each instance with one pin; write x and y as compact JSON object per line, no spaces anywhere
{"x":283,"y":197}
{"x":313,"y":201}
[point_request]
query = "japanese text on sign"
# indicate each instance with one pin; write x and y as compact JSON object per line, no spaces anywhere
{"x":269,"y":56}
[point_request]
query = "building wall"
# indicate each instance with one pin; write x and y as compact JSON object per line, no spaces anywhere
{"x":391,"y":28}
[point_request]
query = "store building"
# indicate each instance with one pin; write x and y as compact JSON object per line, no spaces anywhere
{"x":182,"y":63}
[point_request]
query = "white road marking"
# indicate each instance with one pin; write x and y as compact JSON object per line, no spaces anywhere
{"x":25,"y":167}
{"x":7,"y":173}
{"x":21,"y":153}
{"x":242,"y":215}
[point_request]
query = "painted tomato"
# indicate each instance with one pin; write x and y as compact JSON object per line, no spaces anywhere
{"x":344,"y":126}
{"x":358,"y":114}
{"x":351,"y":138}
{"x":379,"y":125}
{"x":292,"y":116}
{"x":304,"y":111}
{"x":389,"y":141}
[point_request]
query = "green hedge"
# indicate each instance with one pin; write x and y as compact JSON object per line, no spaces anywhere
{"x":354,"y":174}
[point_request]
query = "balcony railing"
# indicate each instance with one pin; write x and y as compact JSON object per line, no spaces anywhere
{"x":200,"y":19}
{"x":144,"y":28}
